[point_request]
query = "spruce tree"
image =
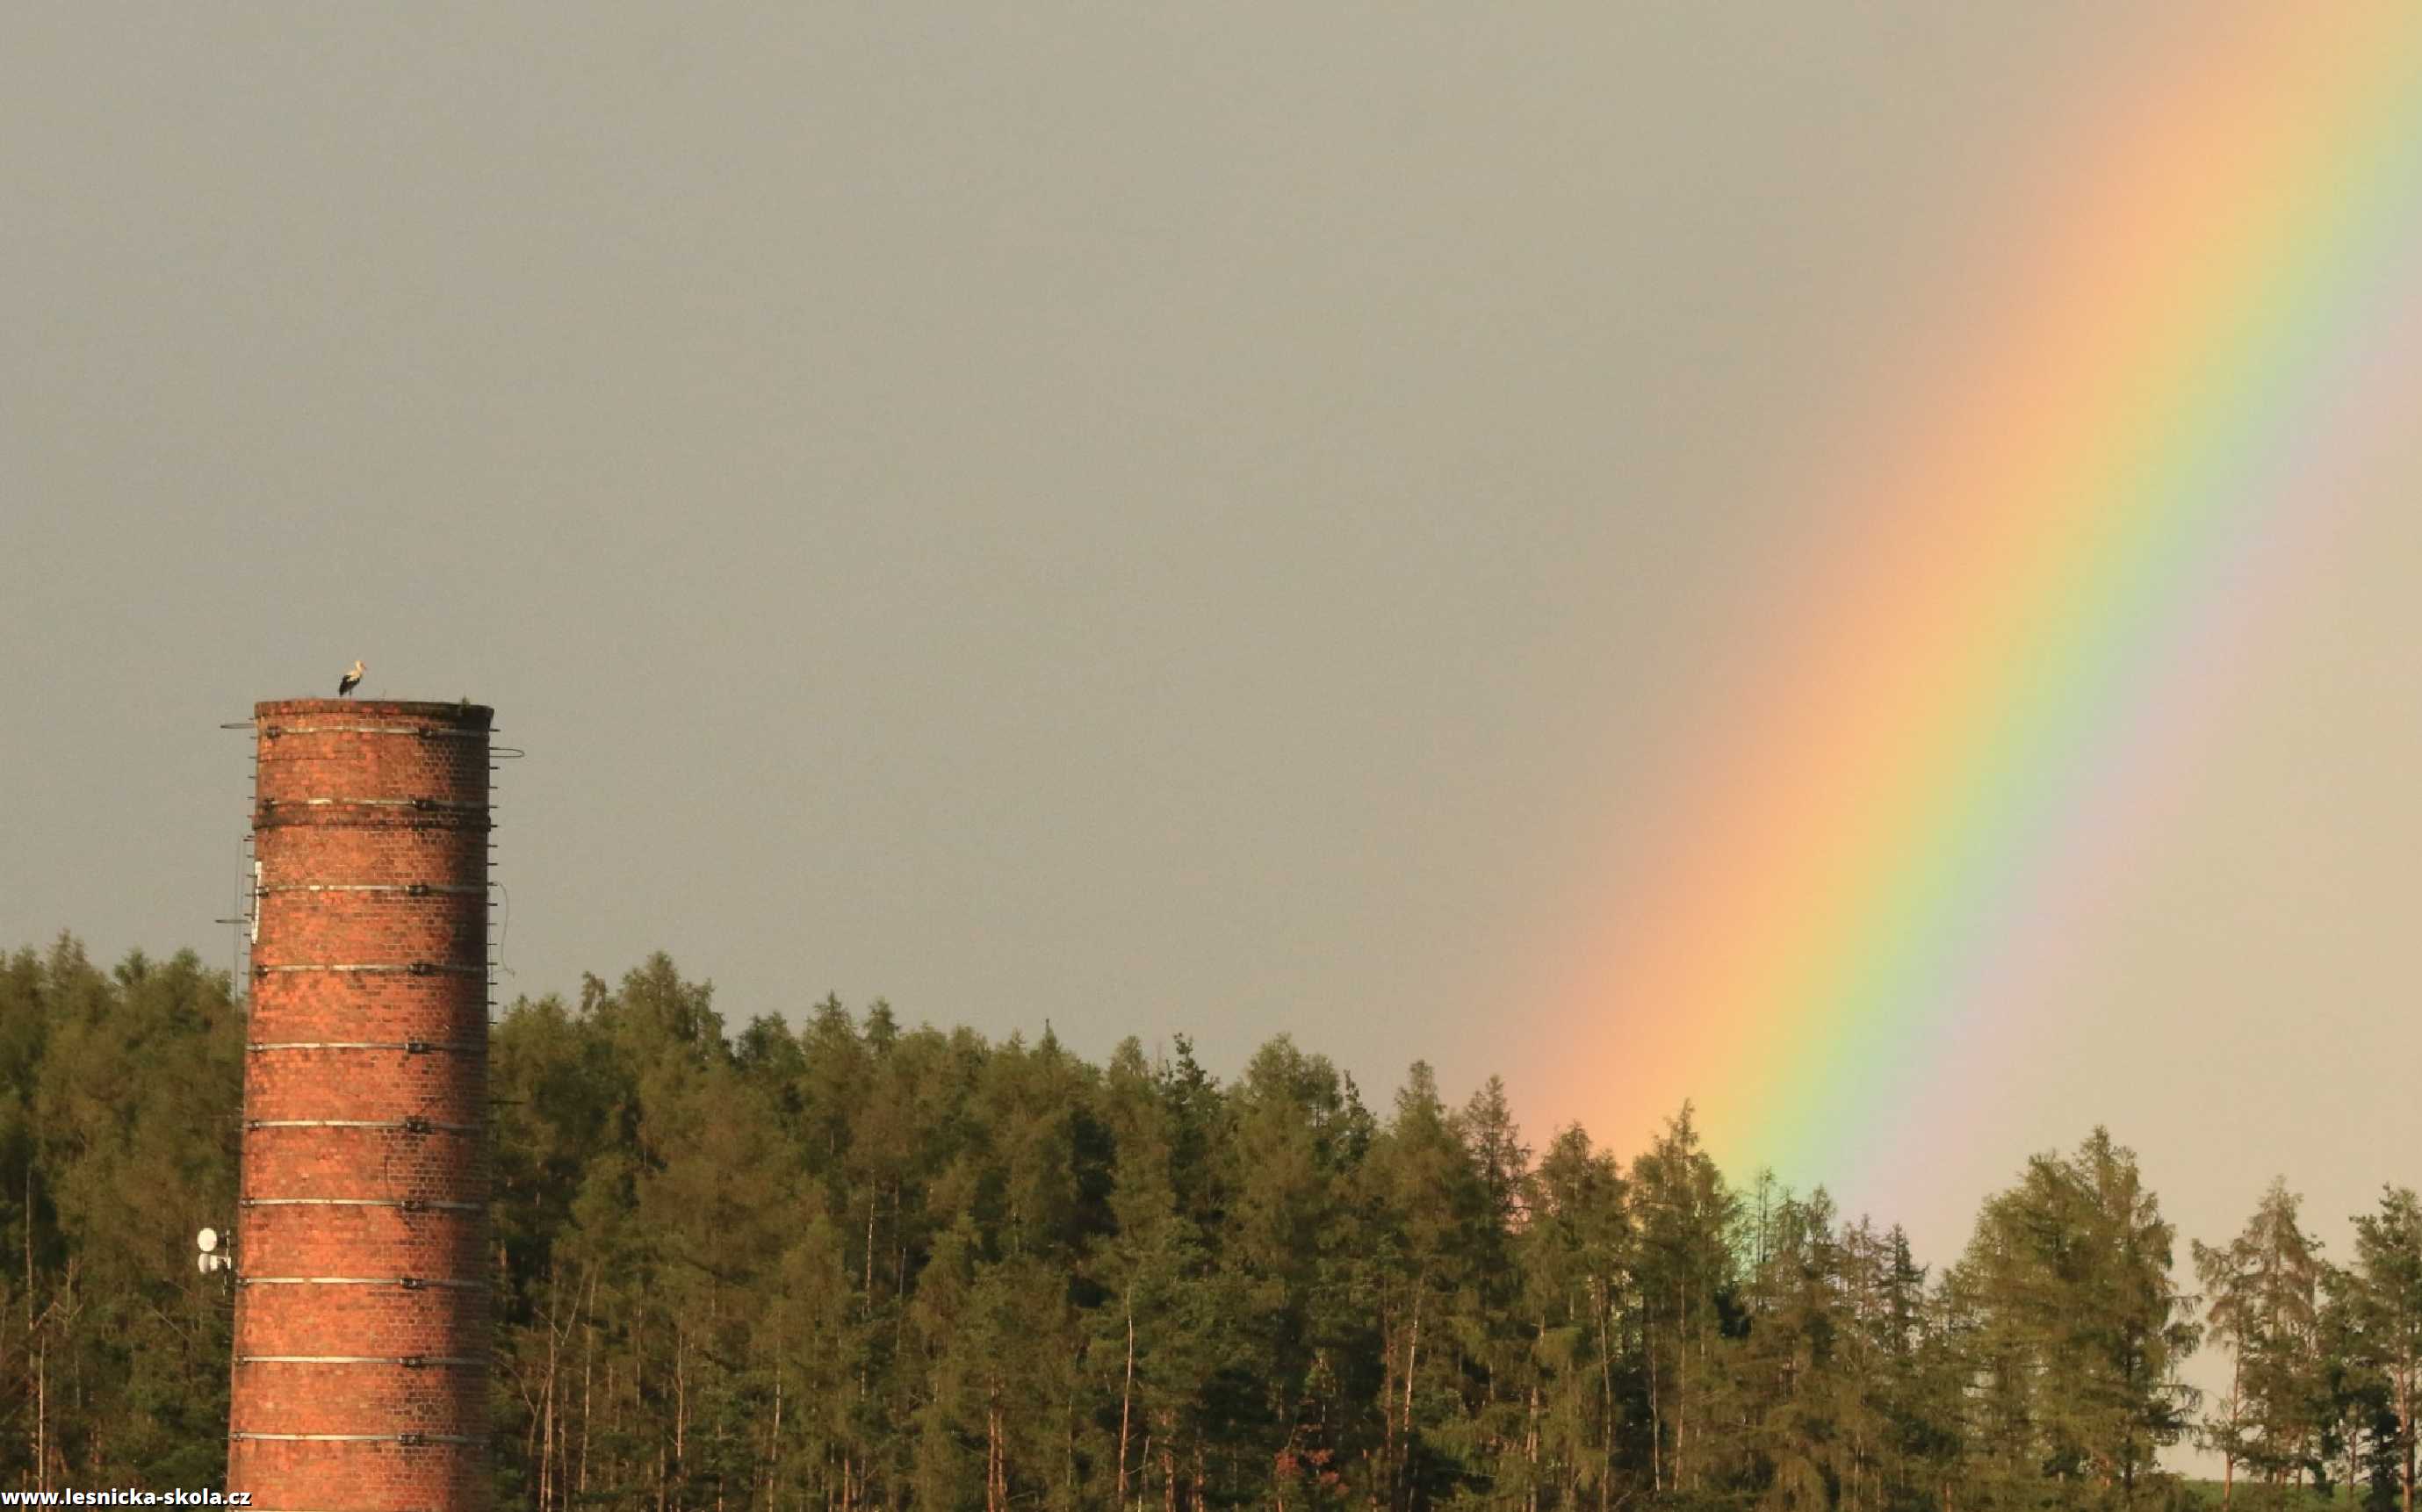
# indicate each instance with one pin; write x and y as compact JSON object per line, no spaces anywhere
{"x":2263,"y":1295}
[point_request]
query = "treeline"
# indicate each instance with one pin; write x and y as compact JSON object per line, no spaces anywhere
{"x":844,"y":1264}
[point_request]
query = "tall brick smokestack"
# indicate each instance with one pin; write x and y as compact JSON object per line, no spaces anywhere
{"x":362,"y":1320}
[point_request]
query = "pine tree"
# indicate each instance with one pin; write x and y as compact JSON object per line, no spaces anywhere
{"x":1683,"y":1214}
{"x":1789,"y":1358}
{"x":2071,"y":1332}
{"x":1302,"y":1286}
{"x":2384,"y":1301}
{"x":1575,"y":1256}
{"x":2262,"y":1297}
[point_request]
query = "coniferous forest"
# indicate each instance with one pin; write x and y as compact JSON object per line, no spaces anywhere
{"x":840,"y":1263}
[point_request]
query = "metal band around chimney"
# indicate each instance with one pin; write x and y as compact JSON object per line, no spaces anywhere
{"x":381,"y":969}
{"x":408,"y":1361}
{"x":401,"y":1282}
{"x":410,"y":889}
{"x":408,"y":1439}
{"x":417,"y":732}
{"x":427,"y":805}
{"x":409,"y":1204}
{"x":407,"y":1047}
{"x":407,"y":1126}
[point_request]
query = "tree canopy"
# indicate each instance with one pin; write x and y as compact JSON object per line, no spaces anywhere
{"x":830,"y":1261}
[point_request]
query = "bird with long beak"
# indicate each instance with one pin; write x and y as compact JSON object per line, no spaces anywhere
{"x":346,"y":684}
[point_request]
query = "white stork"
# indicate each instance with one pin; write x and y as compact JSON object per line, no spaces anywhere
{"x":345,"y":684}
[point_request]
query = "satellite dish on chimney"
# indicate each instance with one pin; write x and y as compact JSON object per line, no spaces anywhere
{"x":208,"y":1242}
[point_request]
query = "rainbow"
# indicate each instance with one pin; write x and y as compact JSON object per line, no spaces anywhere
{"x":1879,"y":837}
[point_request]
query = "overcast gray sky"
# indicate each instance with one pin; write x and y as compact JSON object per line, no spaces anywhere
{"x":1161,"y":519}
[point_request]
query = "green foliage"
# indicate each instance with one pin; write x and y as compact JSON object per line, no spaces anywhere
{"x":2375,"y":1324}
{"x":827,"y":1261}
{"x":120,"y":1096}
{"x":2262,"y":1294}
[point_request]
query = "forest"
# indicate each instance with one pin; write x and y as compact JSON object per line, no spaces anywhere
{"x":828,"y":1261}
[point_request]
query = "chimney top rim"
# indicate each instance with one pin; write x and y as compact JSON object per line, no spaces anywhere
{"x":479,"y":715}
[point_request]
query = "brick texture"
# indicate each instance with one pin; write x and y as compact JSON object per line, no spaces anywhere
{"x":362,"y":1322}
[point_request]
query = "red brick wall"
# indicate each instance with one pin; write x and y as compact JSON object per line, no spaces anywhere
{"x":369,"y":1086}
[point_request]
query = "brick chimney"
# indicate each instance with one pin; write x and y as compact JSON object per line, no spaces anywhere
{"x":362,"y":1314}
